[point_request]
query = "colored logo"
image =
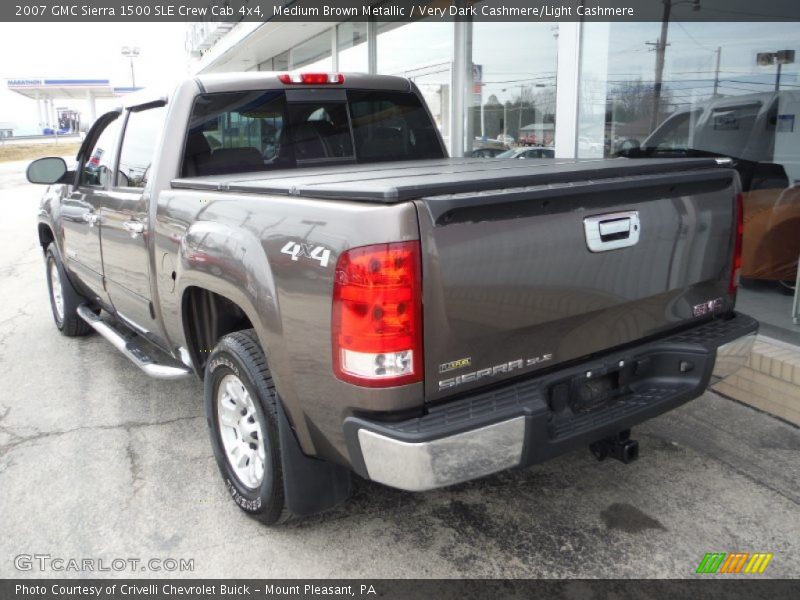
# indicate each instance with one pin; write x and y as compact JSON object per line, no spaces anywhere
{"x":734,"y":563}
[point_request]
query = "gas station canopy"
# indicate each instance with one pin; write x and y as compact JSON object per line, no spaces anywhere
{"x":47,"y":91}
{"x":62,"y":89}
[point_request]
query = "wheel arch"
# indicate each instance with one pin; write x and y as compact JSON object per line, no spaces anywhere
{"x":206,"y":317}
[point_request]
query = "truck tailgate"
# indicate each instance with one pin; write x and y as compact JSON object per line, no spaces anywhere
{"x":512,"y":287}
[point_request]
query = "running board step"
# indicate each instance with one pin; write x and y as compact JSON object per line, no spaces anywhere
{"x":130,"y":347}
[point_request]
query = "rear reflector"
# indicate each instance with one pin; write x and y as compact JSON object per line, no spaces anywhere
{"x":736,"y":265}
{"x":377,"y":315}
{"x":311,"y":78}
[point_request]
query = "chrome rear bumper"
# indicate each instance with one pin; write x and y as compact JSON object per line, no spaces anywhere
{"x":427,"y":465}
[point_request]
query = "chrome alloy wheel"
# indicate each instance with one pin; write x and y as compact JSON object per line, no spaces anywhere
{"x":56,"y":291}
{"x":240,"y":431}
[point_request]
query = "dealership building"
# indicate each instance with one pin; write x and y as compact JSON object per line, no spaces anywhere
{"x":584,"y":88}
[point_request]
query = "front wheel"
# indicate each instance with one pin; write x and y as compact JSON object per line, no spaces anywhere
{"x":242,"y":414}
{"x":64,"y":299}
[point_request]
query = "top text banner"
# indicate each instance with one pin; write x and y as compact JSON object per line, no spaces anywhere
{"x":399,"y":10}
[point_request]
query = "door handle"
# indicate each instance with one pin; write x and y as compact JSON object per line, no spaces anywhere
{"x":91,"y":218}
{"x":135,"y":228}
{"x":612,"y":230}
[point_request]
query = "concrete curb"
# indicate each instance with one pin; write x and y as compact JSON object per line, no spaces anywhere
{"x":770,"y":381}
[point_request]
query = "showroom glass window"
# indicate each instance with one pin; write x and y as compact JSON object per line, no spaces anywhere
{"x":280,"y":62}
{"x":513,"y":83}
{"x":142,"y":131}
{"x":351,"y":44}
{"x":704,"y":63}
{"x":726,"y":89}
{"x":312,"y":55}
{"x":423,"y":52}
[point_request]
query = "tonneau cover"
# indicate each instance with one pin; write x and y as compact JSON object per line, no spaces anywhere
{"x":394,"y":182}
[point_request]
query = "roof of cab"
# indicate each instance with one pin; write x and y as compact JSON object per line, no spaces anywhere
{"x":254,"y":80}
{"x":258,"y":80}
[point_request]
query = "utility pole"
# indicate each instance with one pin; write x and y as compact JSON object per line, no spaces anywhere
{"x":661,"y":50}
{"x":716,"y":72}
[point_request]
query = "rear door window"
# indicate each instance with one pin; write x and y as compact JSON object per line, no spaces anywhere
{"x":142,"y":130}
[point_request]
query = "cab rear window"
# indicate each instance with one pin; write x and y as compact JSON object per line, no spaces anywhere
{"x":238,"y":132}
{"x":392,"y":126}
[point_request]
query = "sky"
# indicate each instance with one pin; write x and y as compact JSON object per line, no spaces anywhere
{"x":88,"y":51}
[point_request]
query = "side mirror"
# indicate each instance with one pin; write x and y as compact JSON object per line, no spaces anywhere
{"x":629,"y":145}
{"x":46,"y":170}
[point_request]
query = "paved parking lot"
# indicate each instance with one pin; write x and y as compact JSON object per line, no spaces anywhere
{"x":98,"y":461}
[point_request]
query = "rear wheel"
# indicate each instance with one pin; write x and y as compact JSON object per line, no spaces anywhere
{"x":242,"y":415}
{"x":64,"y":299}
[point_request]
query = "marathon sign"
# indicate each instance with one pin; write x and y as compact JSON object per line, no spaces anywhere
{"x":25,"y":82}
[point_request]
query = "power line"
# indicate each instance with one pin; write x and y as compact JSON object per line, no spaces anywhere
{"x":691,"y":37}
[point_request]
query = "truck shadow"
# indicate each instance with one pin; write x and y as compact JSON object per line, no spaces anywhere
{"x":557,"y":511}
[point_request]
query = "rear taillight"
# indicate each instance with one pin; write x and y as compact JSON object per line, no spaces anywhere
{"x":311,"y":78}
{"x":736,"y":265}
{"x":377,"y":315}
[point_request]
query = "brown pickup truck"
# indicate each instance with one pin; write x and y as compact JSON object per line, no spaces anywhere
{"x":355,"y":301}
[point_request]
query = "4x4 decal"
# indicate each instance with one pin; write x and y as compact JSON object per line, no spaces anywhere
{"x":297,"y":250}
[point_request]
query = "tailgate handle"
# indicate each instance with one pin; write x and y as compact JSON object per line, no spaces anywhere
{"x":612,"y":230}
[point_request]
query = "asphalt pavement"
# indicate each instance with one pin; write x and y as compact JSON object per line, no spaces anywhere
{"x":97,"y":461}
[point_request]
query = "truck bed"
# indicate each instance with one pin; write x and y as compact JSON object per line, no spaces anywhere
{"x":508,"y":277}
{"x":390,"y":183}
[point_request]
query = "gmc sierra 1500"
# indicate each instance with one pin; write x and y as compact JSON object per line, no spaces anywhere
{"x":353,"y":300}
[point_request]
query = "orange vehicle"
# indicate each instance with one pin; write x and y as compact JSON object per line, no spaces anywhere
{"x":771,"y":240}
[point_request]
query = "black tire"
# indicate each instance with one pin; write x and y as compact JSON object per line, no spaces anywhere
{"x":69,"y":324}
{"x":240,"y":354}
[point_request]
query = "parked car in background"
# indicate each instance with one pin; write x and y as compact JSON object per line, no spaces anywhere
{"x":590,"y":147}
{"x":486,"y":148}
{"x":759,"y":132}
{"x":526,"y":152}
{"x":487,"y":152}
{"x":506,"y":139}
